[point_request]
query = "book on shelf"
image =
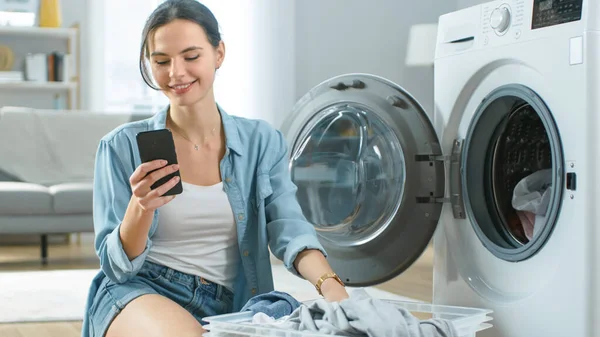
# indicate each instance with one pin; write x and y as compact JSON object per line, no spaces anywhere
{"x":11,"y":76}
{"x":48,"y":67}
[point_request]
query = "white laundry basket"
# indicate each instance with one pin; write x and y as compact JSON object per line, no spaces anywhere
{"x":467,"y":321}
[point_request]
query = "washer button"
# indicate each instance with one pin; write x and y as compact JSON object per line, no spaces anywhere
{"x":571,"y":181}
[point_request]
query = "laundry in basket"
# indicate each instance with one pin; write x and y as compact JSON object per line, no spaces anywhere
{"x":274,"y":304}
{"x":360,"y":315}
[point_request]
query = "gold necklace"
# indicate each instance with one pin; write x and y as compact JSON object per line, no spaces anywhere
{"x":196,"y":147}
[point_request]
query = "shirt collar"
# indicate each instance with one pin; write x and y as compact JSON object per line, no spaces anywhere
{"x":232,"y":135}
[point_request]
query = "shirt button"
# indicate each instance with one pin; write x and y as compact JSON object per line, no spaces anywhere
{"x":253,"y":291}
{"x":228,"y":180}
{"x":246,"y":253}
{"x":240,"y":216}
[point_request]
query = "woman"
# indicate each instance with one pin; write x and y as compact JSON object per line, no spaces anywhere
{"x":169,"y":261}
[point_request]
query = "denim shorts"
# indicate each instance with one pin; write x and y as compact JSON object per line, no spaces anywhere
{"x":199,"y":297}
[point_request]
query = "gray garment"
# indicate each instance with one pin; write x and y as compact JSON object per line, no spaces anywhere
{"x":361,"y":315}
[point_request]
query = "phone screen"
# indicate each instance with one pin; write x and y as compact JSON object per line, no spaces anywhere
{"x":158,"y":144}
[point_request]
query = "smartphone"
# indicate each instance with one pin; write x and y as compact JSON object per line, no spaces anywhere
{"x":158,"y":144}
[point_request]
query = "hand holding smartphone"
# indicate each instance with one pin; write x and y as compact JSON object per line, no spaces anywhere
{"x":158,"y":145}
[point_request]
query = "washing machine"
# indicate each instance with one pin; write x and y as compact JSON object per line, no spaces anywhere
{"x":516,"y":90}
{"x":501,"y":173}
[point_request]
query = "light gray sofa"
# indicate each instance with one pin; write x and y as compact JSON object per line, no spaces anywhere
{"x":46,"y":169}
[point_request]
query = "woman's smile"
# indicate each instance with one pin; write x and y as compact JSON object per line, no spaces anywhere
{"x":180,"y":89}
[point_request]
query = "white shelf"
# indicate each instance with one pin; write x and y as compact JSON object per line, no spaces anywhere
{"x":51,"y":86}
{"x":27,"y":40}
{"x":59,"y":33}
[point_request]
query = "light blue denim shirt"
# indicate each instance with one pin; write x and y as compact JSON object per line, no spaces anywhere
{"x":256,"y":179}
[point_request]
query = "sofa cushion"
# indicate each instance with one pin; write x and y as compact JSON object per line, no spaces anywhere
{"x":72,"y":198}
{"x":5,"y":176}
{"x":62,"y":142}
{"x":18,"y":198}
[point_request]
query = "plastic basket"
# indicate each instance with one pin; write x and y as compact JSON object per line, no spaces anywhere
{"x":467,"y":321}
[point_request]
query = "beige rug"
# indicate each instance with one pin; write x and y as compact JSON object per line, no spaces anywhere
{"x":44,"y":296}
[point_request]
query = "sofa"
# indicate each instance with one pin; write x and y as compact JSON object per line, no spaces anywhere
{"x":46,"y":169}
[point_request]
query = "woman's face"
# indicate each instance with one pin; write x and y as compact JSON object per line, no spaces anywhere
{"x":183,"y":61}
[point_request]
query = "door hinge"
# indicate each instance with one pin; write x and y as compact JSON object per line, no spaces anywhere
{"x":453,"y":162}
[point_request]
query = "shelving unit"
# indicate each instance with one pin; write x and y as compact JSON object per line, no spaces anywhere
{"x":58,"y":33}
{"x":49,"y":86}
{"x":44,"y":40}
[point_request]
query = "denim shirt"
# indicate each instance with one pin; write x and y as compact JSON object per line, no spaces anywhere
{"x":258,"y":185}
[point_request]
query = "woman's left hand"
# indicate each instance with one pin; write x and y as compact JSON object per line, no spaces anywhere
{"x":333,"y":291}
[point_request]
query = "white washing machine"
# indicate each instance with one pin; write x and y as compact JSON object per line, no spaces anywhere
{"x":503,"y":175}
{"x":517,"y":86}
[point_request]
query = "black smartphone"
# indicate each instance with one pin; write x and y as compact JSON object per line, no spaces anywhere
{"x":158,"y":144}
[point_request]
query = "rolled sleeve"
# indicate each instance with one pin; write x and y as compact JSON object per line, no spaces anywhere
{"x":298,"y":244}
{"x":120,"y":265}
{"x":112,"y":194}
{"x":289,"y":231}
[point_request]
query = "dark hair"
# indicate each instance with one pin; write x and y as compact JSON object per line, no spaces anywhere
{"x":171,"y":10}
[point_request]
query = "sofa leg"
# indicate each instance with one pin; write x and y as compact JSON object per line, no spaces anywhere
{"x":44,"y":249}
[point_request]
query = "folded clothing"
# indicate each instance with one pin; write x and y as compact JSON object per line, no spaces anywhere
{"x":275,"y":304}
{"x":359,"y":316}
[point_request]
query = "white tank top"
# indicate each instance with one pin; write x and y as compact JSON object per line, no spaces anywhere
{"x":196,"y":234}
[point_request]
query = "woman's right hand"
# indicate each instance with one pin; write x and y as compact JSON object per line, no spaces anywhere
{"x":141,"y":181}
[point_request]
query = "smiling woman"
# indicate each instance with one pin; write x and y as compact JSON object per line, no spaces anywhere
{"x":171,"y":260}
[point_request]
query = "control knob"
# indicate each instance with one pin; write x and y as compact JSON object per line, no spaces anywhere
{"x":500,"y":20}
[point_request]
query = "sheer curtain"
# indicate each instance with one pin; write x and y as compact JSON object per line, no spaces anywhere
{"x":256,"y":79}
{"x":124,"y":89}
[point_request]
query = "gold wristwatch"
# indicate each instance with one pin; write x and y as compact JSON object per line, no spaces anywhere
{"x":326,"y":276}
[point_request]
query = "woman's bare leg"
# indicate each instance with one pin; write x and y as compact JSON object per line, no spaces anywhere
{"x":154,"y":316}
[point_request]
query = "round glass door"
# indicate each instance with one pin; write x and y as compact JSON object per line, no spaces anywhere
{"x":363,"y":156}
{"x":349,"y":169}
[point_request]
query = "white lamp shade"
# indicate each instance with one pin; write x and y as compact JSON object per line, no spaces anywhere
{"x":422,"y":40}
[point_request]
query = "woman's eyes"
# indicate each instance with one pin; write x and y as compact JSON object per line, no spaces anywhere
{"x":187,"y":59}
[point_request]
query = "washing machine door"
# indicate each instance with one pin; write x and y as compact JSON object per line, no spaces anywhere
{"x":370,"y":175}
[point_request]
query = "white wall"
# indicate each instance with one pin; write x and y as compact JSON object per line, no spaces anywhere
{"x":276,"y":54}
{"x":468,"y":3}
{"x":346,"y":36}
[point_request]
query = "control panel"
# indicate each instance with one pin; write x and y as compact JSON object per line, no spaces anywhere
{"x":504,"y":22}
{"x":501,"y":18}
{"x":555,"y":12}
{"x":509,"y":19}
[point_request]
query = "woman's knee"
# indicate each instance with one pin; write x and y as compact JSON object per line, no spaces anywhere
{"x":154,"y":315}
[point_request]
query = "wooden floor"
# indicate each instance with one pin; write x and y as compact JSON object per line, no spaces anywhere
{"x":416,"y":282}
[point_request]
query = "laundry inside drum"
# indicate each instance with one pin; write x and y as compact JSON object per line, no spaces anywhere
{"x":522,"y":174}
